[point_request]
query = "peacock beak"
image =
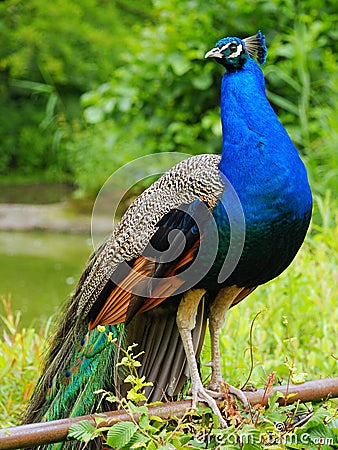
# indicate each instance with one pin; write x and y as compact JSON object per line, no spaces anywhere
{"x":214,"y":53}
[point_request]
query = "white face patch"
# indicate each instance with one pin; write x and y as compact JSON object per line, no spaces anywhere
{"x":235,"y":54}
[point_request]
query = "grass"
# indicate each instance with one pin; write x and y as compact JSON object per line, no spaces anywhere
{"x":295,"y":334}
{"x":20,"y":353}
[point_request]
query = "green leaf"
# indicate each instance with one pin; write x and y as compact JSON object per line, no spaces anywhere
{"x":318,"y":434}
{"x":120,"y":434}
{"x":99,"y":419}
{"x":183,"y":440}
{"x":274,"y":399}
{"x":138,"y":440}
{"x":282,"y":102}
{"x":33,"y":86}
{"x":143,"y":421}
{"x":143,"y":409}
{"x":151,"y":446}
{"x":93,"y":114}
{"x":130,"y":379}
{"x":333,"y":424}
{"x":135,"y":396}
{"x":179,"y":65}
{"x":316,"y":419}
{"x":157,"y":419}
{"x":82,"y":431}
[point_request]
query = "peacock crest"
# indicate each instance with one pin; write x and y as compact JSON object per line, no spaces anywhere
{"x":256,"y":47}
{"x":233,"y":53}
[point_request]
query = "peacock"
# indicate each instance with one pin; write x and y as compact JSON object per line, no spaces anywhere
{"x":195,"y":243}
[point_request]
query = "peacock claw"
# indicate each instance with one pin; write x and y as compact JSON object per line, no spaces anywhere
{"x":240,"y":395}
{"x":200,"y":394}
{"x":217,"y":390}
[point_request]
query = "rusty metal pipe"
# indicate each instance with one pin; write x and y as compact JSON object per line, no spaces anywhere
{"x":32,"y":435}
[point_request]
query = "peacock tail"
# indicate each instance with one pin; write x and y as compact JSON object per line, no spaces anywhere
{"x":77,"y":364}
{"x":80,"y":361}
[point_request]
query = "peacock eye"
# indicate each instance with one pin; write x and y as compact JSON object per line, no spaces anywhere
{"x":233,"y":47}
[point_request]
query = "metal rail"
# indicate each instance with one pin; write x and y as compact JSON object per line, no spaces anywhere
{"x":32,"y":435}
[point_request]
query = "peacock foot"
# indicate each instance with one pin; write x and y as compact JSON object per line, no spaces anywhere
{"x":200,"y":394}
{"x":220,"y":388}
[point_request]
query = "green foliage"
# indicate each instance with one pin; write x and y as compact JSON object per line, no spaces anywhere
{"x":20,"y":352}
{"x":64,"y":43}
{"x":301,"y":87}
{"x":54,"y":52}
{"x":26,"y":146}
{"x":120,"y":434}
{"x":165,"y":98}
{"x":262,"y":428}
{"x":145,"y":86}
{"x":83,"y":431}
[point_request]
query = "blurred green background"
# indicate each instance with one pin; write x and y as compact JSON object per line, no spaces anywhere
{"x":88,"y":85}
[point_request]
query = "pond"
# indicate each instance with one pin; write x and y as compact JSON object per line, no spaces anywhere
{"x":39,"y":270}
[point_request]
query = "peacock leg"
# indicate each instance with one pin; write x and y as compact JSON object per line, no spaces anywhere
{"x":186,"y":319}
{"x":218,"y":310}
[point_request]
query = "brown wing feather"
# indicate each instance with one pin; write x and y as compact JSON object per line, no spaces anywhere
{"x":116,"y":305}
{"x":115,"y":308}
{"x":166,"y":289}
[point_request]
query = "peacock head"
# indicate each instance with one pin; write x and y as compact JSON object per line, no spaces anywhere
{"x":233,"y":53}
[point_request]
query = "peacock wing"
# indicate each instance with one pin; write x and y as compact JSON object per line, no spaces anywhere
{"x":196,"y":178}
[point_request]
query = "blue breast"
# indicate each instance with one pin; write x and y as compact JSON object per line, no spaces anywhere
{"x":261,"y":164}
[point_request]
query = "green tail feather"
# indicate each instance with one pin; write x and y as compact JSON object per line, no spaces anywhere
{"x":71,"y":391}
{"x":79,"y":362}
{"x":69,"y":381}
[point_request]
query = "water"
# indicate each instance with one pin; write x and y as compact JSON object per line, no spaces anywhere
{"x":39,"y":270}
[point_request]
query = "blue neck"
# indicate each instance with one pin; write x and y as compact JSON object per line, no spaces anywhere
{"x":258,"y":157}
